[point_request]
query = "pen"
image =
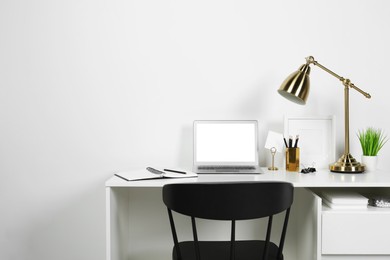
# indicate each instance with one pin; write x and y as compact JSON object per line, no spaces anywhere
{"x":296,"y":141}
{"x":290,"y":142}
{"x":152,"y":170}
{"x":168,"y":170}
{"x":285,"y":142}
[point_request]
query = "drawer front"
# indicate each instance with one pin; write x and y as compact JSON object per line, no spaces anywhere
{"x":355,"y":233}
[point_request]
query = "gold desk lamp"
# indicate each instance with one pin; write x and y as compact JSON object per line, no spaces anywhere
{"x":296,"y":89}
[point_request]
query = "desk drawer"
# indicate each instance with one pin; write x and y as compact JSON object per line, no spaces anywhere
{"x":352,"y":232}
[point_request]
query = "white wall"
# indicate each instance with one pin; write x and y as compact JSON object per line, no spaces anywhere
{"x":90,"y":87}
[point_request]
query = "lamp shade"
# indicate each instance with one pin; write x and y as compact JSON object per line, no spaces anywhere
{"x":296,"y":86}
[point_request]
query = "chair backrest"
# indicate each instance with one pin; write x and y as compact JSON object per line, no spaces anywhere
{"x":229,"y":201}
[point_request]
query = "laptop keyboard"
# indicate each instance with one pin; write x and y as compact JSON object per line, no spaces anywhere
{"x":226,"y":168}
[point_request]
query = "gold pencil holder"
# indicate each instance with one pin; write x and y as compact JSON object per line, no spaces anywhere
{"x":292,"y":159}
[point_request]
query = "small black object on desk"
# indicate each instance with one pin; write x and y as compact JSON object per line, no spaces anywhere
{"x":308,"y":170}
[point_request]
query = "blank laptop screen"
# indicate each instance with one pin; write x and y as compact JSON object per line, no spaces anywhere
{"x":225,"y":142}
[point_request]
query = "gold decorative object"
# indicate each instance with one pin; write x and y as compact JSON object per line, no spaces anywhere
{"x":274,"y":143}
{"x":296,"y":89}
{"x":273,"y":168}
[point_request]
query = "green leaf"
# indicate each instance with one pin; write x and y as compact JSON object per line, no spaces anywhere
{"x":371,"y":140}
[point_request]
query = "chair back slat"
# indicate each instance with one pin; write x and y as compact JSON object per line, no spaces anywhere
{"x":232,"y":241}
{"x":284,"y":231}
{"x":195,"y":235}
{"x":174,"y":234}
{"x":267,"y":238}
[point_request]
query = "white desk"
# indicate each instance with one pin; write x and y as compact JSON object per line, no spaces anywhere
{"x":137,"y":225}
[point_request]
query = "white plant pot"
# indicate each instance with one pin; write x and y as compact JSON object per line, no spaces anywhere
{"x":370,"y":162}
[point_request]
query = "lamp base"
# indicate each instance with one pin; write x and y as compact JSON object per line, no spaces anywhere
{"x":347,"y":164}
{"x":272,"y":168}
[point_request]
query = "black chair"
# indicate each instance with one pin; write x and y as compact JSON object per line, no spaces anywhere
{"x":228,"y":201}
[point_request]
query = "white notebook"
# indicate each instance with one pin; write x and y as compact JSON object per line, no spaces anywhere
{"x":340,"y":197}
{"x":144,"y":174}
{"x":344,"y":206}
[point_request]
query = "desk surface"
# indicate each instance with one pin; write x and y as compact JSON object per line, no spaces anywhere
{"x":322,"y":178}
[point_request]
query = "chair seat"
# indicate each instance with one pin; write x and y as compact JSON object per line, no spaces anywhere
{"x":220,"y":250}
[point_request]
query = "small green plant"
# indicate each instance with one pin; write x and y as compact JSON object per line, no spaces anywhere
{"x":371,"y":140}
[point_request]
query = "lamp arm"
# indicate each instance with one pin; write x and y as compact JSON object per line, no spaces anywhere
{"x":346,"y":82}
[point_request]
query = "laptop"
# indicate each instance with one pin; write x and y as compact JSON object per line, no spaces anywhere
{"x":226,"y":146}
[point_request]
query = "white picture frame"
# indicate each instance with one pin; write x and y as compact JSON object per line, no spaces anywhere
{"x":317,"y":139}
